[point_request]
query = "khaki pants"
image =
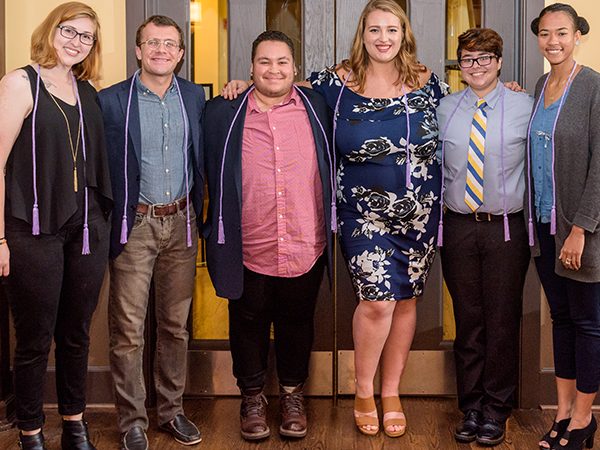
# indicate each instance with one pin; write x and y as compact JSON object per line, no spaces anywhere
{"x":156,"y":249}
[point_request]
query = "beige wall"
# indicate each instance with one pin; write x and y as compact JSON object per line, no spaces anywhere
{"x":22,"y":16}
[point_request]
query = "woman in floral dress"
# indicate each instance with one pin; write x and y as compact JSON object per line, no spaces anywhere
{"x":388,"y":196}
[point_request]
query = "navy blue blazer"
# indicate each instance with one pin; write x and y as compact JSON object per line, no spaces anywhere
{"x":225,"y":261}
{"x":113,"y":101}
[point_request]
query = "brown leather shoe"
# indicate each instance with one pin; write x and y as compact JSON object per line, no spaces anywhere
{"x":293,"y":415}
{"x":253,"y":416}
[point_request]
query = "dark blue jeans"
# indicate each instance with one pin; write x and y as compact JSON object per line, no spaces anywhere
{"x":53,"y":291}
{"x":575,"y":312}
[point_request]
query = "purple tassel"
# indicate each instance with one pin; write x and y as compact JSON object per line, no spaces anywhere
{"x":35,"y":218}
{"x":124,"y":230}
{"x":553,"y":221}
{"x":531,"y":241}
{"x":189,"y":234}
{"x":333,"y":218}
{"x":506,"y":229}
{"x":440,"y":234}
{"x":85,"y":250}
{"x":221,"y":236}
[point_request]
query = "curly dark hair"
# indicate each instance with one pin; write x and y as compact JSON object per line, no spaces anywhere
{"x":272,"y":35}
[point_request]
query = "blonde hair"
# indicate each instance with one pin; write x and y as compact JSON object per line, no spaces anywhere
{"x":406,"y":59}
{"x":42,"y":40}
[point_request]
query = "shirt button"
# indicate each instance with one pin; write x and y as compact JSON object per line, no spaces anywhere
{"x":278,"y":170}
{"x":166,"y":147}
{"x":279,"y":193}
{"x":274,"y":128}
{"x":281,"y":239}
{"x":167,"y":170}
{"x":166,"y":125}
{"x":168,"y":193}
{"x":281,"y":216}
{"x":277,"y":147}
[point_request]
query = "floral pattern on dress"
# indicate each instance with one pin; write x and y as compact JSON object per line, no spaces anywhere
{"x":387,"y":226}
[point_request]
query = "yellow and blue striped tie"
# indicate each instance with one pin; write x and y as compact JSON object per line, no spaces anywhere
{"x":474,"y":188}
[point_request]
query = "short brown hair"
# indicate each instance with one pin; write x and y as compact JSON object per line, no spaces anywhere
{"x":159,"y":21}
{"x":480,"y":40}
{"x":42,"y":40}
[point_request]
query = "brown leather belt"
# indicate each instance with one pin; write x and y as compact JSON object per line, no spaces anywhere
{"x":159,"y":210}
{"x":482,"y":217}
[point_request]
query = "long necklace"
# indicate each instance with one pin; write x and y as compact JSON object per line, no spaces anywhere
{"x":74,"y":149}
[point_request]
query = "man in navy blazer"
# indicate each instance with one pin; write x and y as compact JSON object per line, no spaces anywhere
{"x":268,"y":233}
{"x":153,"y":135}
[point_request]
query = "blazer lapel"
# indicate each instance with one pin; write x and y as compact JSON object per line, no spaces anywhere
{"x":134,"y":130}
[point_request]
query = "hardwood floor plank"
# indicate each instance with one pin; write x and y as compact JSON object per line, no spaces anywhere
{"x":431,"y":423}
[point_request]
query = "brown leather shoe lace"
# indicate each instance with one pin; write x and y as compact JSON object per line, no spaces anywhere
{"x":293,"y":414}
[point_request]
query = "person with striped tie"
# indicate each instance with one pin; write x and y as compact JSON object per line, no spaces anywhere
{"x":483,"y":237}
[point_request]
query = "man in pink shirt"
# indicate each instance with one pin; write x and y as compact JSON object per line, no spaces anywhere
{"x":268,"y":232}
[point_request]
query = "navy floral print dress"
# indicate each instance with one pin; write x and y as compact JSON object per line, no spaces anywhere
{"x":387,"y":231}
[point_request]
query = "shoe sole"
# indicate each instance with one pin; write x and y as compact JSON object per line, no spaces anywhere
{"x":291,"y":433}
{"x":490,"y":442}
{"x":194,"y":442}
{"x":256,"y":436}
{"x":465,"y":439}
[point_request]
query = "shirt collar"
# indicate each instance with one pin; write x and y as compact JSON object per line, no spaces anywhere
{"x":142,"y":89}
{"x":491,"y":98}
{"x":291,"y":98}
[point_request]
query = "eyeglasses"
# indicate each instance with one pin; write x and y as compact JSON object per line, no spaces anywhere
{"x":485,"y":60}
{"x":70,"y":33}
{"x":154,"y":44}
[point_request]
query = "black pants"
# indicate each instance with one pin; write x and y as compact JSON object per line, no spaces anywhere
{"x":53,"y":291}
{"x":575,"y":312}
{"x":485,"y":277}
{"x":287,"y":303}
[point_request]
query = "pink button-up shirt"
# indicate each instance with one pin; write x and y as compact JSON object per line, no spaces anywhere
{"x":283,"y":226}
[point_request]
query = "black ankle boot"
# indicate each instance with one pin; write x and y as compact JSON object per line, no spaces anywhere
{"x":576,"y":438}
{"x":34,"y":442}
{"x":75,"y":436}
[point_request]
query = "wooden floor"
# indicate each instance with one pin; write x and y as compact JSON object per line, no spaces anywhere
{"x":430,"y":426}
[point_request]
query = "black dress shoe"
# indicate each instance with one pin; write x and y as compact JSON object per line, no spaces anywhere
{"x":467,"y":430}
{"x":491,"y":432}
{"x":34,"y":442}
{"x":134,"y":439}
{"x":183,"y":430}
{"x":75,"y":436}
{"x":578,"y":437}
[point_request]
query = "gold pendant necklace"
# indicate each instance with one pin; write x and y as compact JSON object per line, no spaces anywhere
{"x":74,"y":149}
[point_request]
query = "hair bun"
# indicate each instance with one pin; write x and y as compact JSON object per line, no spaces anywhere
{"x":535,"y":25}
{"x":582,"y":25}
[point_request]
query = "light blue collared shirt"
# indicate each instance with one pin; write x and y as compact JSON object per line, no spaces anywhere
{"x":541,"y":159}
{"x":162,"y":178}
{"x":517,"y":111}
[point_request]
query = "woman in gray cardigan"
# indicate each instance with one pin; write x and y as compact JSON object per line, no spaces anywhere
{"x":563,"y":212}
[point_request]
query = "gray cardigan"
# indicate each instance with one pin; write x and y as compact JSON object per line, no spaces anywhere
{"x":577,"y":173}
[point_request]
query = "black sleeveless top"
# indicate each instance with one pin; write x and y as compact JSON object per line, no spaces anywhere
{"x":58,"y":203}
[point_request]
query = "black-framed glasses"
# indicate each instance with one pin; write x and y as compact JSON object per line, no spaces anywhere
{"x":155,"y":44}
{"x":484,"y":60}
{"x":70,"y":33}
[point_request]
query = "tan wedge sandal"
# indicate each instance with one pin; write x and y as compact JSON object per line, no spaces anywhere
{"x":366,"y":406}
{"x":392,"y":405}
